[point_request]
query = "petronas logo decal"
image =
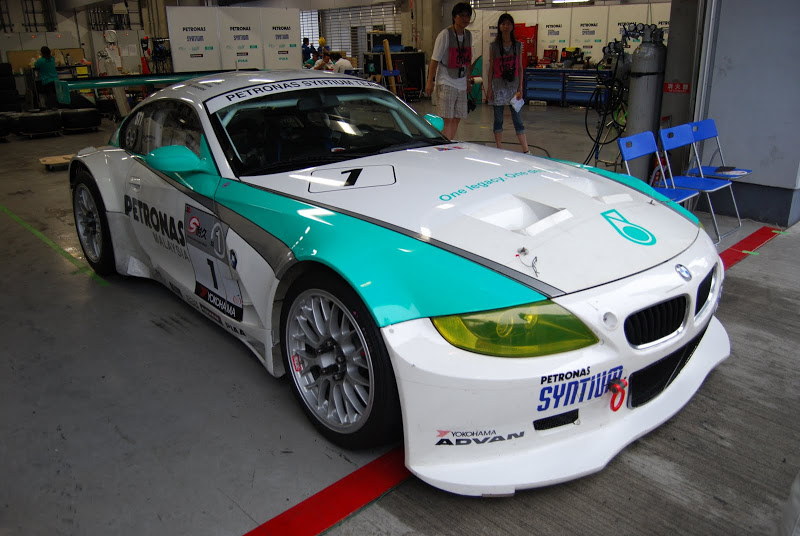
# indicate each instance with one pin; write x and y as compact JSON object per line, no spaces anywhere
{"x":631,"y":231}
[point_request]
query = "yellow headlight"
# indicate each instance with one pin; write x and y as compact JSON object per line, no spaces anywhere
{"x":531,"y":330}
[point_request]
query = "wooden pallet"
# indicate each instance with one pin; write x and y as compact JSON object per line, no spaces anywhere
{"x":52,"y":163}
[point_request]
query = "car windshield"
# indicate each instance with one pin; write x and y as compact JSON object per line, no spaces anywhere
{"x":298,"y":129}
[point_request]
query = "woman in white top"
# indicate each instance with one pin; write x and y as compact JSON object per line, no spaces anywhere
{"x":450,"y":62}
{"x":505,"y":79}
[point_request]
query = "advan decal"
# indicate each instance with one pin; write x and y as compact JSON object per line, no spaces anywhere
{"x":473,"y":437}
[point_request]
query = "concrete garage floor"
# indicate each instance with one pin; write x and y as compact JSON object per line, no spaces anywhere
{"x":126,"y":412}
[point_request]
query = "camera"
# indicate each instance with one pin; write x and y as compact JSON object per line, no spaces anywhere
{"x":508,"y":74}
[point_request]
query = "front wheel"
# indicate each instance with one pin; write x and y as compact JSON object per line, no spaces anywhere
{"x":338,"y":364}
{"x":92,"y":225}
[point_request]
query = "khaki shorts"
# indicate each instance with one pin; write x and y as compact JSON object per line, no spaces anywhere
{"x":451,"y":102}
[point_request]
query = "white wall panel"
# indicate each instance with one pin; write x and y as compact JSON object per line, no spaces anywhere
{"x":281,"y":31}
{"x":659,"y":15}
{"x":193,"y":39}
{"x":589,"y":30}
{"x":480,"y":34}
{"x":61,"y":40}
{"x":9,"y":41}
{"x":488,"y":23}
{"x":554,"y":29}
{"x":622,"y":15}
{"x":33,"y":41}
{"x":484,"y":30}
{"x":240,"y":38}
{"x":529,"y":17}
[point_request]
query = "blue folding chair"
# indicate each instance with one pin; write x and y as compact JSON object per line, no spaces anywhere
{"x":398,"y":82}
{"x":644,"y":144}
{"x":681,"y":136}
{"x":706,"y":130}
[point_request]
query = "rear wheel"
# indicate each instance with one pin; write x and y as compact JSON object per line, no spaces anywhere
{"x":338,"y":364}
{"x":92,"y":225}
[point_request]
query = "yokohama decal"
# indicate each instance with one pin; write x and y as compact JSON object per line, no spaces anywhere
{"x":218,"y":302}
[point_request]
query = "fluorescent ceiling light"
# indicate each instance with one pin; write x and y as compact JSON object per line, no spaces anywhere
{"x":568,"y":1}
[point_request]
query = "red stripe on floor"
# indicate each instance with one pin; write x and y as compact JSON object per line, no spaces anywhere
{"x":323,"y":510}
{"x":735,"y":253}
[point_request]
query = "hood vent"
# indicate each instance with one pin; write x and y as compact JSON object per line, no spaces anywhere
{"x":523,"y":216}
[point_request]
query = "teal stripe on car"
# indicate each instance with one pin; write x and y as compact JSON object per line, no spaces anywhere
{"x":398,"y":277}
{"x":636,"y":184}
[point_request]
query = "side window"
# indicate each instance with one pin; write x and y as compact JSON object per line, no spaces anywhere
{"x":180,"y":126}
{"x":130,"y":135}
{"x":160,"y":124}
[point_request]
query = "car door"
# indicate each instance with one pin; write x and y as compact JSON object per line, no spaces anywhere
{"x":174,"y":221}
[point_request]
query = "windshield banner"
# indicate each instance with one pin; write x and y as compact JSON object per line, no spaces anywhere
{"x":270,"y":88}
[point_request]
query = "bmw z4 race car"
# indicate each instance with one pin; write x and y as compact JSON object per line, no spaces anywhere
{"x":518,"y":320}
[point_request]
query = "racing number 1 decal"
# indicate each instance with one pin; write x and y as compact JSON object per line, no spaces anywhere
{"x":214,"y":283}
{"x":353,"y":176}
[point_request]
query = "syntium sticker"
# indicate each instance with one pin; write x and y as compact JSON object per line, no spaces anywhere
{"x":631,"y":231}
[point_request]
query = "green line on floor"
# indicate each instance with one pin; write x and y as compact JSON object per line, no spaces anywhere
{"x":81,"y":267}
{"x":749,"y":252}
{"x":779,"y":232}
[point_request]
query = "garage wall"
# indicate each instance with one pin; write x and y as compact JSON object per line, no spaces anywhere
{"x":213,"y":38}
{"x":752,"y":95}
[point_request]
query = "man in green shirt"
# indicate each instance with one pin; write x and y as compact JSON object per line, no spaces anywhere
{"x":310,"y":62}
{"x":47,"y":77}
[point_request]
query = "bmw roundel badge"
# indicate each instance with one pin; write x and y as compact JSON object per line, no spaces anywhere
{"x":683,"y":272}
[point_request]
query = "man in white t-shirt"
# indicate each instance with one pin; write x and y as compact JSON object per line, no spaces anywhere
{"x":450,"y":64}
{"x":324,"y":64}
{"x":340,"y":64}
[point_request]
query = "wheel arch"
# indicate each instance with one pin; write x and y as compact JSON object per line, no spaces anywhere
{"x":383,"y":422}
{"x":97,"y":164}
{"x":285,"y":283}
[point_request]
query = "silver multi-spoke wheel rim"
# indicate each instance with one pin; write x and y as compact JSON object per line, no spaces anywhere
{"x":330,"y":362}
{"x":87,"y":220}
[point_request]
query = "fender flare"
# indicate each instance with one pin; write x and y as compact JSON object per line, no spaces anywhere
{"x":100,"y":165}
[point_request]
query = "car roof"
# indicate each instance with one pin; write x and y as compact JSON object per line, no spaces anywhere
{"x":203,"y":88}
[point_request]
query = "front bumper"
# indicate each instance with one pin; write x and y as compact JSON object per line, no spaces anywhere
{"x":469,"y":419}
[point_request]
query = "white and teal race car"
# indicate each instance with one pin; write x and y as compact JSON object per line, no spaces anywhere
{"x":517,"y":320}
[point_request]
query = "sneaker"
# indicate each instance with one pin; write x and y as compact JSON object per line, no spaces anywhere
{"x":527,"y":152}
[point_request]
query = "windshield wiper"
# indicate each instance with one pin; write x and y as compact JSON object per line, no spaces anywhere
{"x":301,"y":162}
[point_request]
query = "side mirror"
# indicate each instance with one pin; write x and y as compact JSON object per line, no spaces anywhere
{"x":176,"y":159}
{"x":435,"y":121}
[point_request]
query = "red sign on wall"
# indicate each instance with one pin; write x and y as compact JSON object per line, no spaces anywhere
{"x":527,"y":35}
{"x":676,"y":87}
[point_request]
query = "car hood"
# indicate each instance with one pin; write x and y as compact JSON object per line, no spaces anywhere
{"x":560,"y":224}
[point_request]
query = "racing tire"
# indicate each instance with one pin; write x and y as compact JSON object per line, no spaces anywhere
{"x":36,"y":124}
{"x":337,"y":363}
{"x":13,"y":121}
{"x":80,"y":119}
{"x":5,"y":126}
{"x":10,"y":100}
{"x":91,"y":224}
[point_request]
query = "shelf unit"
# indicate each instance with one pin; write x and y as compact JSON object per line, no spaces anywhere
{"x":564,"y":86}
